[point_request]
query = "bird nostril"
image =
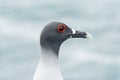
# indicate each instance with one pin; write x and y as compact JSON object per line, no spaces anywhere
{"x":83,"y":33}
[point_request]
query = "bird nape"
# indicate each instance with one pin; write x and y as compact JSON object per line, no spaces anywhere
{"x":52,"y":36}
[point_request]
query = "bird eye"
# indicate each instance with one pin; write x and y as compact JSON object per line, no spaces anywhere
{"x":61,"y":28}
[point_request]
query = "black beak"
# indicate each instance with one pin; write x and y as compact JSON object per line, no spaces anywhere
{"x":80,"y":34}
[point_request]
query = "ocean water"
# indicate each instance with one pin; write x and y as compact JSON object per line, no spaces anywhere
{"x":21,"y":22}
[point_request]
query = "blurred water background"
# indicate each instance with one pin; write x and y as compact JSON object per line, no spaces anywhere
{"x":21,"y":22}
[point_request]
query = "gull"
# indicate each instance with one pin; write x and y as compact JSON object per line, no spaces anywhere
{"x":51,"y":38}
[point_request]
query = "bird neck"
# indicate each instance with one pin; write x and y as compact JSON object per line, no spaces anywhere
{"x":49,"y":57}
{"x":52,"y":46}
{"x":48,"y":67}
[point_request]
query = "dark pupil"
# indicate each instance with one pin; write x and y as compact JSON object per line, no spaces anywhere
{"x":61,"y":28}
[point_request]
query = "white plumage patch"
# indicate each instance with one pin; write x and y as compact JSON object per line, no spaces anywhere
{"x":73,"y":31}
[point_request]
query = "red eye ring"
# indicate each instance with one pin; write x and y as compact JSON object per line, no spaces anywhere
{"x":61,"y":28}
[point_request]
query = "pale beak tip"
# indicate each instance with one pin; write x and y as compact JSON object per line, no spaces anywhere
{"x":89,"y":36}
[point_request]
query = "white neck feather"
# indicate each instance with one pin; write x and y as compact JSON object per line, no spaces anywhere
{"x":48,"y":67}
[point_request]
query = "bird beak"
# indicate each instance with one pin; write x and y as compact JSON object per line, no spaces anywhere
{"x":80,"y":34}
